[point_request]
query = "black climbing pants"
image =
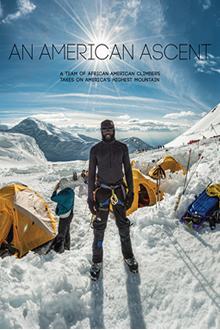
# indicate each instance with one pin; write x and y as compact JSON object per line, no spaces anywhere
{"x":62,"y":240}
{"x":100,"y":224}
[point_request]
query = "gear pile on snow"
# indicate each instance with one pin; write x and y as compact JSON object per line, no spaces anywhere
{"x":204,"y":208}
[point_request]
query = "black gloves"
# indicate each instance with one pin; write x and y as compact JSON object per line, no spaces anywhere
{"x":93,"y":205}
{"x":129,"y":200}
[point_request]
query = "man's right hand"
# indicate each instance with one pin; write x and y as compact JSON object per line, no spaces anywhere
{"x":93,"y":206}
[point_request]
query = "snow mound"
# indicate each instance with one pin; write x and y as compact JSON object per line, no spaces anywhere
{"x":19,"y":150}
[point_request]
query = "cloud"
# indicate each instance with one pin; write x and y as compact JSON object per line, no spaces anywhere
{"x":25,"y":7}
{"x":55,"y":118}
{"x":1,"y":10}
{"x":206,"y":4}
{"x":125,"y":117}
{"x":125,"y":126}
{"x":135,"y":124}
{"x":180,"y":114}
{"x":114,"y":20}
{"x":110,"y":97}
{"x":209,"y":65}
{"x":132,"y":8}
{"x":122,"y":16}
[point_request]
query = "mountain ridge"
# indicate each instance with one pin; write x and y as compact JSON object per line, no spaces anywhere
{"x":205,"y":128}
{"x":60,"y":145}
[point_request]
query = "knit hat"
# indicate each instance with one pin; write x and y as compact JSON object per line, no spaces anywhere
{"x":107,"y":124}
{"x":64,"y":183}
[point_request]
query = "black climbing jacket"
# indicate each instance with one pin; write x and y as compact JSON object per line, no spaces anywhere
{"x":109,"y":158}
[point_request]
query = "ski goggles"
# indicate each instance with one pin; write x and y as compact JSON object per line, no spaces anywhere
{"x":107,"y":129}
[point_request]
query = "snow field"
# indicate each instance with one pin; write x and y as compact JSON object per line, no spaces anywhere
{"x":177,"y":285}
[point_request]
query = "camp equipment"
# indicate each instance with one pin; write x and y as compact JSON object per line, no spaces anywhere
{"x":187,"y":183}
{"x":146,"y":189}
{"x":201,"y":208}
{"x":74,"y":176}
{"x":180,"y":195}
{"x":159,"y":172}
{"x":25,"y":219}
{"x":166,"y":163}
{"x":214,"y":218}
{"x":187,"y":169}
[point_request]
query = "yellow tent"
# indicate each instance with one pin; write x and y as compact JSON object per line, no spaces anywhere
{"x":167,"y":163}
{"x":145,"y":191}
{"x":25,"y":216}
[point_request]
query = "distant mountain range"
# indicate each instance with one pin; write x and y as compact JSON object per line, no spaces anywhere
{"x":59,"y":145}
{"x":134,"y":144}
{"x":35,"y":139}
{"x":3,"y":127}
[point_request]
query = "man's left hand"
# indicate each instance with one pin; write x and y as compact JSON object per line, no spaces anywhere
{"x":129,"y":200}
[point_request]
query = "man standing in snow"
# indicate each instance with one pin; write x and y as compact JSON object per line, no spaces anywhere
{"x":108,"y":156}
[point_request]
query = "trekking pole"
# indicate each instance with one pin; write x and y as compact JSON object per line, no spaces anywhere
{"x":160,"y":174}
{"x":157,"y":192}
{"x":180,"y":194}
{"x":186,"y":185}
{"x":192,"y":174}
{"x":187,"y":169}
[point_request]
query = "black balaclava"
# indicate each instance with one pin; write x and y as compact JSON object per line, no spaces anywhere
{"x":107,"y":124}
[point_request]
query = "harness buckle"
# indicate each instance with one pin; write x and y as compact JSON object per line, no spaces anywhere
{"x":114,"y":198}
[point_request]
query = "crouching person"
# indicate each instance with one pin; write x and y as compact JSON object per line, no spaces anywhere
{"x":65,"y":204}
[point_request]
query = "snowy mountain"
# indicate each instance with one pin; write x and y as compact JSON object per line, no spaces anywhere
{"x":56,"y":144}
{"x":19,"y":150}
{"x":135,"y":144}
{"x":88,"y":138}
{"x":207,"y":127}
{"x":3,"y":127}
{"x":60,"y":145}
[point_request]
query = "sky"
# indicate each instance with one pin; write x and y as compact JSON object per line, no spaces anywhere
{"x":152,"y":66}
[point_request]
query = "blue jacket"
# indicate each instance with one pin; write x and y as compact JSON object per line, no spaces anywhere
{"x":64,"y":200}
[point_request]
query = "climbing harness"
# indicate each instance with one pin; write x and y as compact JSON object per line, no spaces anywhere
{"x":113,"y":199}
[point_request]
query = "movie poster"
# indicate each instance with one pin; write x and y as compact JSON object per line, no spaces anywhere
{"x":151,"y":66}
